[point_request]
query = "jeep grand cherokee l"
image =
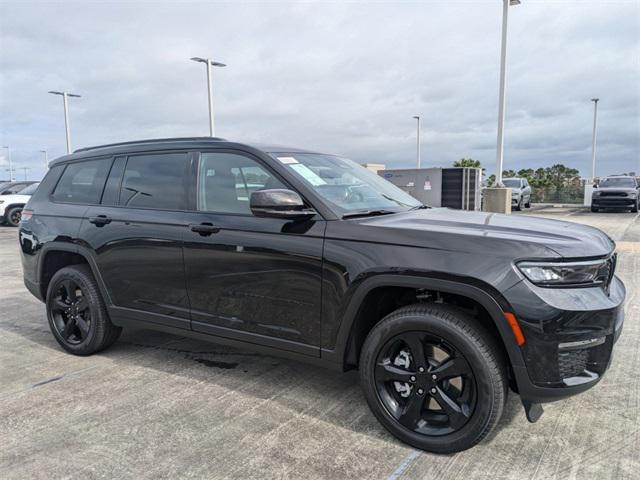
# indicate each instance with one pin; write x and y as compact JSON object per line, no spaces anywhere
{"x":616,"y":192}
{"x":311,"y":256}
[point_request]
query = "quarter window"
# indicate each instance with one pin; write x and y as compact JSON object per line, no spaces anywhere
{"x":226,"y":181}
{"x":82,"y":182}
{"x":155,"y":181}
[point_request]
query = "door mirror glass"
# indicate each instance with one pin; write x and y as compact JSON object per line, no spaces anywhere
{"x":279,"y":203}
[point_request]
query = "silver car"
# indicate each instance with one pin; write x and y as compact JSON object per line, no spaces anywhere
{"x":520,"y":192}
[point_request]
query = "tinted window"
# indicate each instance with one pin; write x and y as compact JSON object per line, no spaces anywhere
{"x":511,"y":183}
{"x":82,"y":182}
{"x":226,"y":181}
{"x":155,"y":181}
{"x":112,"y":188}
{"x":30,"y":190}
{"x":619,"y":182}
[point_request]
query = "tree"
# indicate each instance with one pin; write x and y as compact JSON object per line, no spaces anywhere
{"x":467,"y":163}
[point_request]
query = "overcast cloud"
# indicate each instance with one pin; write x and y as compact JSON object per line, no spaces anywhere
{"x":339,"y":77}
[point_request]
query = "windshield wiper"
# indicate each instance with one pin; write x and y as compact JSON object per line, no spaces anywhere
{"x":420,"y":207}
{"x":367,"y":213}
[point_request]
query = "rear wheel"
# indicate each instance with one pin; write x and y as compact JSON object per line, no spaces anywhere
{"x":76,"y":312}
{"x":13,"y":216}
{"x":433,"y":377}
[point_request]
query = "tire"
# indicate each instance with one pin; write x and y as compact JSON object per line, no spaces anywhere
{"x":519,"y":205}
{"x":482,"y":388}
{"x":76,"y":312}
{"x":634,"y":209}
{"x":595,"y":209}
{"x":12,"y":218}
{"x":528,"y":204}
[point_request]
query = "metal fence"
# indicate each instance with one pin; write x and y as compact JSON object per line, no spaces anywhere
{"x":572,"y":194}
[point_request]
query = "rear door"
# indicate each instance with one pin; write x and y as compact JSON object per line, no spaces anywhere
{"x":252,"y":279}
{"x":136,"y":234}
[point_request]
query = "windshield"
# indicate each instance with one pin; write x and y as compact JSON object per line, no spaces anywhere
{"x":345,"y":184}
{"x":618,"y":183}
{"x":29,"y":190}
{"x":511,"y":183}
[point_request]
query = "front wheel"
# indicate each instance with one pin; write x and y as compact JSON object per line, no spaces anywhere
{"x":634,"y":209}
{"x":594,"y":209}
{"x":433,"y":377}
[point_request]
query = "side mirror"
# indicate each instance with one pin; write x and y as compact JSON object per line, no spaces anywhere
{"x":279,"y":203}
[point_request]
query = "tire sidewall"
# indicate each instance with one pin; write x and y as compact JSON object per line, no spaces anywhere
{"x":10,"y":213}
{"x":87,"y":346}
{"x":485,"y":386}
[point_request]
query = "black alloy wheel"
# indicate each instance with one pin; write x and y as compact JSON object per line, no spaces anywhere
{"x":434,"y":377}
{"x":425,"y":383}
{"x":70,"y":312}
{"x":77,"y":315}
{"x":13,"y":216}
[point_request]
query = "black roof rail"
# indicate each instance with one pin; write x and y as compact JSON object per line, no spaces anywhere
{"x":151,"y":140}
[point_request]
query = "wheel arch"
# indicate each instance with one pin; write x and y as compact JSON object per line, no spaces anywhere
{"x":57,"y":255}
{"x":355,"y":325}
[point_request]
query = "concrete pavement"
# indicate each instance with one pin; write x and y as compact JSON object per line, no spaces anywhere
{"x":158,"y":406}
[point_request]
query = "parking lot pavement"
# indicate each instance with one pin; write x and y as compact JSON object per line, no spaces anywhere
{"x":158,"y":406}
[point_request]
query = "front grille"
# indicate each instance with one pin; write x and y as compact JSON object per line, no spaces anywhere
{"x":612,"y":194}
{"x":572,"y":363}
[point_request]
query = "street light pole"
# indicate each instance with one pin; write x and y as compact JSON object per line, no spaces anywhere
{"x":65,"y":96}
{"x":593,"y":140}
{"x":502,"y":93}
{"x":11,"y":179}
{"x":417,"y":117}
{"x":210,"y":64}
{"x":46,"y":159}
{"x":25,"y":172}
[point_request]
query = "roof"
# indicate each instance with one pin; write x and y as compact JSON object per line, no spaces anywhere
{"x":170,"y":144}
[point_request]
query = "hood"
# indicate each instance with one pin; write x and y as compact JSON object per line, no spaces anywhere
{"x":489,"y":233}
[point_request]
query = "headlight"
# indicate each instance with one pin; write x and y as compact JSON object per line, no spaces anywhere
{"x":565,"y":273}
{"x":633,"y":194}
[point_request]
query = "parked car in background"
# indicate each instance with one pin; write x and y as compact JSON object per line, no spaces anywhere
{"x":520,"y":192}
{"x":11,"y":205}
{"x":313,"y":257}
{"x":11,"y":188}
{"x":619,"y":191}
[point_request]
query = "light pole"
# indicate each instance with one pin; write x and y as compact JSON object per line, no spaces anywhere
{"x":66,"y":95}
{"x":210,"y":63}
{"x":25,"y":171}
{"x":593,"y":140}
{"x":502,"y":94}
{"x":46,"y":159}
{"x":417,"y":117}
{"x":11,"y":179}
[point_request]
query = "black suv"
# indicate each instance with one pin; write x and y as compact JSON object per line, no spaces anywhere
{"x":311,"y":256}
{"x":617,"y":191}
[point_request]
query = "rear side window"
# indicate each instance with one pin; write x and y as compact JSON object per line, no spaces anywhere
{"x":82,"y":182}
{"x":155,"y":181}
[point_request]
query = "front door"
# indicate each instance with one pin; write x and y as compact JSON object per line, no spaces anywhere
{"x":249,"y":278}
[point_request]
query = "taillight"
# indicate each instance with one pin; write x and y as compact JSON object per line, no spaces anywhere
{"x":26,"y":215}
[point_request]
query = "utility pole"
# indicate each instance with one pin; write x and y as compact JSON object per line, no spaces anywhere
{"x":210,"y":63}
{"x":417,"y":117}
{"x":593,"y":140}
{"x":25,"y":171}
{"x":65,"y":96}
{"x":502,"y":92}
{"x":11,"y":179}
{"x":46,"y":159}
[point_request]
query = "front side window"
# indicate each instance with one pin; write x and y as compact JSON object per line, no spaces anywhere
{"x":82,"y":182}
{"x":155,"y":181}
{"x":226,"y":181}
{"x":346,"y":185}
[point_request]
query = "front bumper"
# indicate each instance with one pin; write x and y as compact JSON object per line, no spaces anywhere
{"x":570,"y":334}
{"x":613,"y":202}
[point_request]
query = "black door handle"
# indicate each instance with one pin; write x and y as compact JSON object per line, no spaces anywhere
{"x":100,"y":220}
{"x":204,"y":229}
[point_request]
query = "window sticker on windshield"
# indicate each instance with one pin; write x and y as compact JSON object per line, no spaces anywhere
{"x":288,"y":160}
{"x":308,"y":174}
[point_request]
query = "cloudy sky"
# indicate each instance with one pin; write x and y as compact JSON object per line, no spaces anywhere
{"x":341,"y":77}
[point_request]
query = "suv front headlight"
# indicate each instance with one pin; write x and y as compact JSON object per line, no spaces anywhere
{"x":550,"y":274}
